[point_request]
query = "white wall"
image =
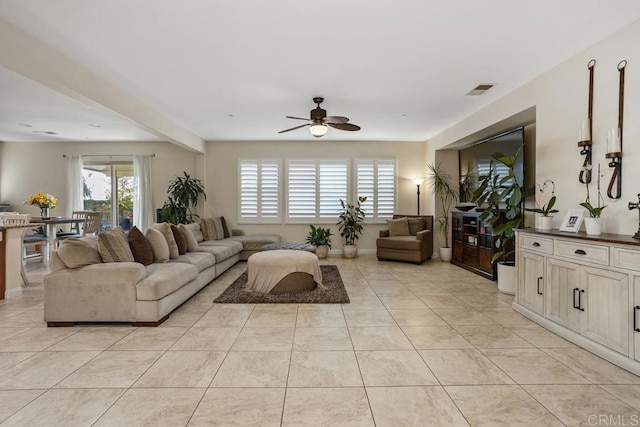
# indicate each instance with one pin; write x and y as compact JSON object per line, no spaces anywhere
{"x":222,"y":188}
{"x":560,"y":97}
{"x":27,"y":167}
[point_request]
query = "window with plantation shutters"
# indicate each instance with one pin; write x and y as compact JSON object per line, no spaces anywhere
{"x":314,"y":189}
{"x":376,"y":180}
{"x":259,"y":183}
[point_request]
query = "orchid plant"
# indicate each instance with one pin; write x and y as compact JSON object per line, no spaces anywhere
{"x":595,"y":211}
{"x":545,"y":209}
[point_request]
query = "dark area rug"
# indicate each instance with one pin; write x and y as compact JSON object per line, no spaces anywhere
{"x":335,"y":293}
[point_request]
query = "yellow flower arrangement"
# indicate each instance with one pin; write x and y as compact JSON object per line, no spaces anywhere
{"x":43,"y":200}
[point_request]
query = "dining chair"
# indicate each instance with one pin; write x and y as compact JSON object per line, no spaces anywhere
{"x":9,"y":219}
{"x":88,"y":227}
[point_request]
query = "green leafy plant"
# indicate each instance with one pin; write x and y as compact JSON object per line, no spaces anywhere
{"x":545,"y":209}
{"x":595,"y":212}
{"x":184,"y":194}
{"x":468,"y":182}
{"x":319,"y":236}
{"x":443,"y":188}
{"x":351,"y":220}
{"x":496,"y":191}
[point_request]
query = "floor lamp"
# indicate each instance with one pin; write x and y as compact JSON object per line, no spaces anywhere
{"x":417,"y":182}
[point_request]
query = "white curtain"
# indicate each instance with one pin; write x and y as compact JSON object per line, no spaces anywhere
{"x":75,"y":185}
{"x":143,"y":212}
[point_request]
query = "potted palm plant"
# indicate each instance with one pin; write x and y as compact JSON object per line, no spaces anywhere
{"x":184,"y":194}
{"x":350,"y":223}
{"x":503,"y":197}
{"x":321,"y":239}
{"x":443,"y":188}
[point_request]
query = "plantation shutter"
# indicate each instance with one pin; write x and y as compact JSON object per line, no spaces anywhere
{"x":259,"y":191}
{"x":376,"y":180}
{"x":333,"y":187}
{"x":301,"y":190}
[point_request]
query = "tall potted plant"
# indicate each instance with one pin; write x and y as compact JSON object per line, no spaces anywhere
{"x":503,"y":197}
{"x":184,"y":194}
{"x":350,"y":224}
{"x":321,"y":239}
{"x":444,"y":190}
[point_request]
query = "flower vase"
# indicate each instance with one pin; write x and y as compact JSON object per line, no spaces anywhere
{"x":44,"y":213}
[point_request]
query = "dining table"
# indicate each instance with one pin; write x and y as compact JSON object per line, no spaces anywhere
{"x":51,"y":233}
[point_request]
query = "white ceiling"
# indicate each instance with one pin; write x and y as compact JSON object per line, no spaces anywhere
{"x":399,"y":69}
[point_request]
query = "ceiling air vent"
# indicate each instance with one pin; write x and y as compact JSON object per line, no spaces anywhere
{"x":479,"y":90}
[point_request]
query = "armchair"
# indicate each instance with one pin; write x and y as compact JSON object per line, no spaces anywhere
{"x":412,"y":242}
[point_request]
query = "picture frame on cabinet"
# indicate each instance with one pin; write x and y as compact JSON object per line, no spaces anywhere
{"x":573,"y":220}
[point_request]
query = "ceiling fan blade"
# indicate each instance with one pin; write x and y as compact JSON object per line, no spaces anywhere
{"x":296,"y":118}
{"x":344,"y":126}
{"x":336,"y":119}
{"x":294,"y":128}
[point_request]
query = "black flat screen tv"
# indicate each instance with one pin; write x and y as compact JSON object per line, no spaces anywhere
{"x":474,"y":160}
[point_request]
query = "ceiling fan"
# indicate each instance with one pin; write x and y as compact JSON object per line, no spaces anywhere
{"x":319,"y":121}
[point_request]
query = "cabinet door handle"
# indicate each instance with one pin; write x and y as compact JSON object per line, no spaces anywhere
{"x":580,"y":300}
{"x":538,"y":289}
{"x":535,"y":244}
{"x":574,"y":298}
{"x":635,"y":318}
{"x":580,"y":252}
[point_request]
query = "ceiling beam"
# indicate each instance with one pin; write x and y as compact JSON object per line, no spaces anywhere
{"x":29,"y":57}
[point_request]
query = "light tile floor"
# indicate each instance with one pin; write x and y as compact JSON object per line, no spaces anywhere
{"x":418,"y":345}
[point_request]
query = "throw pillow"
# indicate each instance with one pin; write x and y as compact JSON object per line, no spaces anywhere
{"x":140,"y":246}
{"x":180,"y":240}
{"x":165,"y":229}
{"x":76,"y":253}
{"x":159,"y":245}
{"x":415,"y":225}
{"x":225,"y":229}
{"x":114,"y":247}
{"x":217,"y":223}
{"x":398,"y":227}
{"x":208,"y":229}
{"x":192,"y":242}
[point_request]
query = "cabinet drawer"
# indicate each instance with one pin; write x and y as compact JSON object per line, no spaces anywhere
{"x":538,"y":244}
{"x":626,"y":258}
{"x":598,"y":254}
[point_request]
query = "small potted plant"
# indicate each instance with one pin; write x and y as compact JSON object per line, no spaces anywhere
{"x":350,"y":225}
{"x":545,"y":221}
{"x":321,"y":239}
{"x":594,"y":223}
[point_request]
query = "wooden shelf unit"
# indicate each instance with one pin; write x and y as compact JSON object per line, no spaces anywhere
{"x":473,"y":243}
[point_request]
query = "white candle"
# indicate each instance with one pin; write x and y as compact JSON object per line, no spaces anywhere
{"x":613,"y":141}
{"x":585,"y":131}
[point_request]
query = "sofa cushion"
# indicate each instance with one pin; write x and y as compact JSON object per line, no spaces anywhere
{"x":233,"y":244}
{"x":159,"y":245}
{"x":398,"y":227}
{"x":201,"y":260}
{"x":76,"y":253}
{"x":255,"y":242}
{"x":195,"y":228}
{"x":189,"y":237}
{"x":114,"y":246}
{"x":165,"y":229}
{"x":140,"y":246}
{"x":407,"y":243}
{"x":163,"y":279}
{"x":219,"y":252}
{"x":212,"y":228}
{"x":416,"y":225}
{"x":180,"y":240}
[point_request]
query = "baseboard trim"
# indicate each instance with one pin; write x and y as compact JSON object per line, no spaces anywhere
{"x":13,"y":292}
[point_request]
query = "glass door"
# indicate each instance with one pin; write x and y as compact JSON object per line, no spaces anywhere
{"x":108,"y":188}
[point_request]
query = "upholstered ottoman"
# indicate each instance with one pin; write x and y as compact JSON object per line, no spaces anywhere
{"x":283,"y":271}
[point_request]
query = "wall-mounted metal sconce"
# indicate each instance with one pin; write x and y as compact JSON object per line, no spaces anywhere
{"x":636,"y":206}
{"x":584,"y":137}
{"x":614,"y":142}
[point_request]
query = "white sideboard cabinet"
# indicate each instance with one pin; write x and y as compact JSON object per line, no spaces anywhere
{"x":584,"y":288}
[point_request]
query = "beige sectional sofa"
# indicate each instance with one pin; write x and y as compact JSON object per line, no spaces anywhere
{"x":82,"y":288}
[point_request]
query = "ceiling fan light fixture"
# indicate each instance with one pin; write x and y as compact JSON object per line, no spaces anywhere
{"x":318,"y":129}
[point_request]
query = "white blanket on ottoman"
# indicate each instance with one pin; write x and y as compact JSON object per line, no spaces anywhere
{"x":266,"y":269}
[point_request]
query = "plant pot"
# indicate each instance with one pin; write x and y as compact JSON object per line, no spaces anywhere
{"x":544,"y":222}
{"x":445,"y":254}
{"x":507,"y":277}
{"x":322,"y":251}
{"x":593,"y":226}
{"x":349,"y":251}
